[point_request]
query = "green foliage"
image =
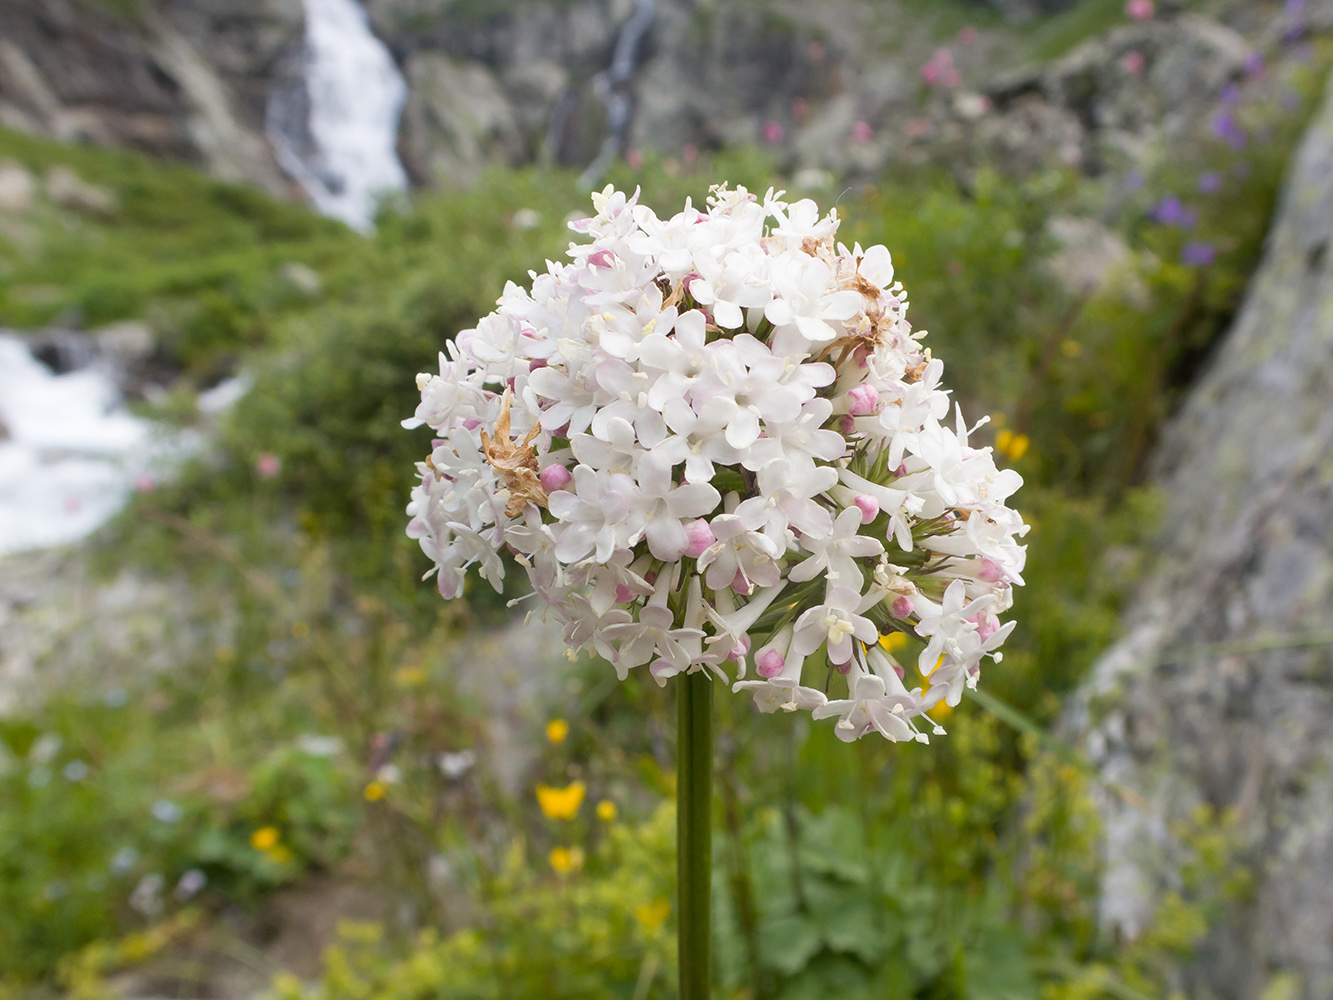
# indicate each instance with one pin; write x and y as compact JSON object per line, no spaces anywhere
{"x":592,"y":937}
{"x":100,"y":795}
{"x":201,"y":258}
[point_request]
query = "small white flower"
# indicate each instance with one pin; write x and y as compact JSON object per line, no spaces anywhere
{"x":834,"y":623}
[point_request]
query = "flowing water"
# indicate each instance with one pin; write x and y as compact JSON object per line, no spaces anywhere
{"x":69,"y":451}
{"x":336,"y":130}
{"x":613,"y":89}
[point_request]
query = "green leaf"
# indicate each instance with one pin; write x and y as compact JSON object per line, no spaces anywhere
{"x":788,"y":943}
{"x":858,"y":927}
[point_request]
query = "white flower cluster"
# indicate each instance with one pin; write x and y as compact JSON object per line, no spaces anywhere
{"x":716,"y":438}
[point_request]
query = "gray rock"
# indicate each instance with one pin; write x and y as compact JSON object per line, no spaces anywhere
{"x":185,"y":79}
{"x":1246,"y":555}
{"x":458,"y":120}
{"x":17,"y":188}
{"x":126,"y":343}
{"x":68,"y":189}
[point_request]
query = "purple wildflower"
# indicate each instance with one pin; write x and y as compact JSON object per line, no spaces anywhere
{"x":1226,"y":128}
{"x":1210,"y":181}
{"x":1196,"y":254}
{"x":1171,"y":211}
{"x":1231,"y":94}
{"x":1254,"y":65}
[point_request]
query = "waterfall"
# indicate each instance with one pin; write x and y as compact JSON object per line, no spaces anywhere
{"x":335,"y":130}
{"x":613,"y":88}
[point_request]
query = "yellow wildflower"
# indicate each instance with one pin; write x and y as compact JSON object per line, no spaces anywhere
{"x":1012,"y":445}
{"x":652,"y":915}
{"x":893,"y":641}
{"x":561,"y":803}
{"x":606,"y":810}
{"x":566,"y":859}
{"x":265,"y":838}
{"x":409,"y":676}
{"x":375,"y":791}
{"x":557,"y":730}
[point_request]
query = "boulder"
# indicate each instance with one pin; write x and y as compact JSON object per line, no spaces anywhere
{"x":17,"y":188}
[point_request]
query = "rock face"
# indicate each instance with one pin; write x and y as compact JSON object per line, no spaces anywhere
{"x":840,"y":86}
{"x":184,"y":80}
{"x":1246,"y":557}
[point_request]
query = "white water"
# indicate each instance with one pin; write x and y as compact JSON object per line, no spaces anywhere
{"x":612,"y":88}
{"x":71,"y":453}
{"x":356,"y":96}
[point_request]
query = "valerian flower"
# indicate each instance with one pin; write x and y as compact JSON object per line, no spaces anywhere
{"x":714,"y":442}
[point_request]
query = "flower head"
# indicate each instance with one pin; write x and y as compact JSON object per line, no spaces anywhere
{"x":715,"y":442}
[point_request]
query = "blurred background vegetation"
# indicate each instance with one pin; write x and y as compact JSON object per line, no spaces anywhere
{"x":322,"y":746}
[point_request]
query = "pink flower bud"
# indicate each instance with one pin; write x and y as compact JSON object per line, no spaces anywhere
{"x":847,"y":424}
{"x":536,"y":363}
{"x":987,"y":624}
{"x":1140,"y":10}
{"x":770,"y":663}
{"x":268,"y":465}
{"x":740,"y":584}
{"x":740,"y":652}
{"x":701,"y":536}
{"x":898,"y":669}
{"x":554,"y":477}
{"x":865,"y":399}
{"x":868,"y":506}
{"x":623,"y":594}
{"x":990,"y":571}
{"x":472,"y":423}
{"x":902,"y":606}
{"x":843,"y":668}
{"x":901,"y":470}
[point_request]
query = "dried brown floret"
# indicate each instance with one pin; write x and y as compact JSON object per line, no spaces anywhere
{"x":515,"y":463}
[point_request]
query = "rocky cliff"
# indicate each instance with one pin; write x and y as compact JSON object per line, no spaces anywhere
{"x":1221,"y":692}
{"x":187,"y":80}
{"x":843,"y":86}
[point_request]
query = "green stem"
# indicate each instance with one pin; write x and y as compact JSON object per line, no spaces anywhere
{"x":694,"y":814}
